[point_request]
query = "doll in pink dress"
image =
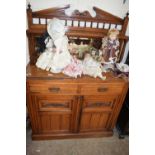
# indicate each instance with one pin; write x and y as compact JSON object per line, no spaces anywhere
{"x":74,"y":69}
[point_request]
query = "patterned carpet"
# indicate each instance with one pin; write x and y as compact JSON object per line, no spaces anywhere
{"x":89,"y":146}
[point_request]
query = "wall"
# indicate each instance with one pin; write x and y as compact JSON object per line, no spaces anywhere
{"x":115,"y":7}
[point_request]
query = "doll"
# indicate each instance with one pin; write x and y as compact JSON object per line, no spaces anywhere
{"x":92,"y":67}
{"x":44,"y":60}
{"x":96,"y":54}
{"x":74,"y":69}
{"x":62,"y":57}
{"x":110,"y":47}
{"x":57,"y":58}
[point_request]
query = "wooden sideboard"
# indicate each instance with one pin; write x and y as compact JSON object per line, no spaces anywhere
{"x":64,"y":107}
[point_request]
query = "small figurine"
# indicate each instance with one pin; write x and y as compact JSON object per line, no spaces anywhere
{"x":82,"y":48}
{"x":78,"y":50}
{"x":110,"y":47}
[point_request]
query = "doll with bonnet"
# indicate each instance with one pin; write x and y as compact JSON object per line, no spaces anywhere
{"x":110,"y":47}
{"x":57,"y":58}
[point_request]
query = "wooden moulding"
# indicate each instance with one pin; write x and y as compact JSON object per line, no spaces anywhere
{"x":73,"y":135}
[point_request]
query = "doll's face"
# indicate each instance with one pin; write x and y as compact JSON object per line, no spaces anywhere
{"x":113,"y":37}
{"x":113,"y":34}
{"x":93,"y":53}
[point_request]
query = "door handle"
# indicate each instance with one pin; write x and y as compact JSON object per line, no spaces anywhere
{"x":102,"y":89}
{"x":54,"y":89}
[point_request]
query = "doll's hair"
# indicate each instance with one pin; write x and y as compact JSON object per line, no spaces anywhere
{"x":113,"y":31}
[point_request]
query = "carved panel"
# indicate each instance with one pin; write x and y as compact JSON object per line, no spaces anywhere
{"x":81,"y":14}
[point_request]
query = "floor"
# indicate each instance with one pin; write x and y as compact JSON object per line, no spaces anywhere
{"x":89,"y":146}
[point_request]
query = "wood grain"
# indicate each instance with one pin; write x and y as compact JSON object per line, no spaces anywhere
{"x":63,"y":107}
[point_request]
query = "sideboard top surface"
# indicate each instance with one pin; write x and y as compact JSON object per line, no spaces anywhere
{"x":34,"y":73}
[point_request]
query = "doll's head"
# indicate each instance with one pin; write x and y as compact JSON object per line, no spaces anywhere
{"x":113,"y":34}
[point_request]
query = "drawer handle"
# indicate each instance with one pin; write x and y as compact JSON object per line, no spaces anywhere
{"x":46,"y":105}
{"x":102,"y":89}
{"x":55,"y":90}
{"x":99,"y":104}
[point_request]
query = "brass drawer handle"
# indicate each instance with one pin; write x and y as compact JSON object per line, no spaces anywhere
{"x":53,"y":89}
{"x":102,"y":89}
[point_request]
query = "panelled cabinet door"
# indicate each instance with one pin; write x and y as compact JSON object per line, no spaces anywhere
{"x":54,"y":113}
{"x":96,"y":113}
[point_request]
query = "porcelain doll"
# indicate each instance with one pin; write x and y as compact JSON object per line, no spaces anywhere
{"x":75,"y":68}
{"x":96,"y":53}
{"x":110,"y":47}
{"x":55,"y":60}
{"x":62,"y":57}
{"x":45,"y":58}
{"x":92,"y":67}
{"x":43,"y":62}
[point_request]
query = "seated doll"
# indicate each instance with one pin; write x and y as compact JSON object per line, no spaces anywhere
{"x":44,"y":60}
{"x":110,"y":47}
{"x":91,"y":67}
{"x":53,"y":60}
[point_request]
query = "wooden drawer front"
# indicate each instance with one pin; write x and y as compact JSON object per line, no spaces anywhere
{"x":101,"y":89}
{"x":54,"y":88}
{"x":55,"y":103}
{"x":98,"y":103}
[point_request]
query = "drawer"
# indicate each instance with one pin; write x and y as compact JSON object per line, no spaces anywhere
{"x":101,"y":89}
{"x":54,"y":88}
{"x":100,"y":103}
{"x":55,"y":103}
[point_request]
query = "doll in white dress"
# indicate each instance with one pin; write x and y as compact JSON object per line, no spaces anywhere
{"x":92,"y":68}
{"x":55,"y":59}
{"x":44,"y":60}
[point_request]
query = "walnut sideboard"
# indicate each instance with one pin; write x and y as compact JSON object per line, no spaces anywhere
{"x":64,"y":107}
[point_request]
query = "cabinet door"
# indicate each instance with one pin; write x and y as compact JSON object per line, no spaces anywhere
{"x":96,"y":113}
{"x":54,"y":113}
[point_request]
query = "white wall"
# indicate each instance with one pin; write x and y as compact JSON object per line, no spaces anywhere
{"x":115,"y":7}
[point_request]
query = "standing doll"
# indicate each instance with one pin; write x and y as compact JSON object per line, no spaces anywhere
{"x":110,"y":48}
